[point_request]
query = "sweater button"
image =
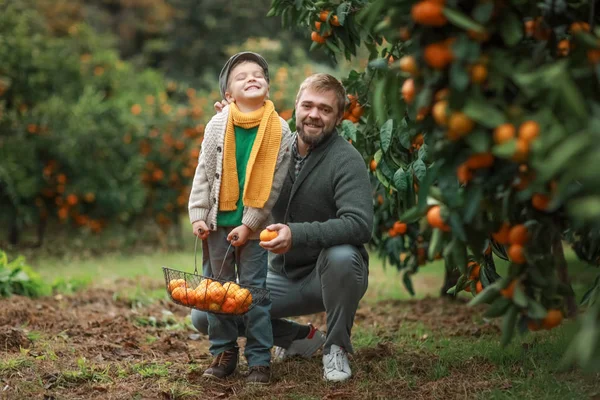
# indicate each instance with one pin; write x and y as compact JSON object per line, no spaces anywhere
{"x":219,"y":149}
{"x":212,"y":226}
{"x":214,"y":199}
{"x":217,"y":176}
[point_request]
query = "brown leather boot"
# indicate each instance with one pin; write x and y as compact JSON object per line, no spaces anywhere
{"x":223,"y":365}
{"x":260,"y":375}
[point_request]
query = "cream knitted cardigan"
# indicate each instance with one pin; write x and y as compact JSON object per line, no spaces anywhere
{"x":204,"y":198}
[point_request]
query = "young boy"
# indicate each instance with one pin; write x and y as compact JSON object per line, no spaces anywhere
{"x":244,"y":159}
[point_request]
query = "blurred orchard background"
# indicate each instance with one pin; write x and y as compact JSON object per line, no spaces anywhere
{"x":103,"y":105}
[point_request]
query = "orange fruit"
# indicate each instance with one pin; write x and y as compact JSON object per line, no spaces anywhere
{"x":518,"y":235}
{"x":335,"y":21}
{"x":478,"y":287}
{"x":440,"y":112}
{"x":563,"y":48}
{"x":177,"y":293}
{"x":521,"y":150}
{"x":323,"y":15}
{"x":540,"y":201}
{"x":315,"y":37}
{"x":409,"y":64}
{"x":553,"y":319}
{"x":173,"y":283}
{"x":479,"y":73}
{"x":475,"y":272}
{"x":434,"y":218}
{"x":373,"y":165}
{"x":357,"y":111}
{"x":509,"y":291}
{"x":229,"y":305}
{"x":400,"y":227}
{"x":215,"y":307}
{"x":243,"y":297}
{"x":516,"y":254}
{"x":503,"y":133}
{"x":438,"y":55}
{"x":231,"y":288}
{"x":404,"y":34}
{"x":215,"y":292}
{"x":430,"y":13}
{"x":464,"y":174}
{"x":480,"y":160}
{"x":579,"y":27}
{"x":392,"y":232}
{"x":267,"y":235}
{"x":408,"y":91}
{"x":460,"y":123}
{"x":533,"y":325}
{"x":529,"y":130}
{"x":501,"y":236}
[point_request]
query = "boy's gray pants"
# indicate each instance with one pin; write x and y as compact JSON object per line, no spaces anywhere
{"x":336,"y":285}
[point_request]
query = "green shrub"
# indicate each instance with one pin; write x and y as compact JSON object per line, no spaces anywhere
{"x":16,"y":277}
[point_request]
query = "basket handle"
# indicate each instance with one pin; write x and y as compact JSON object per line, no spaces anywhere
{"x":200,"y":230}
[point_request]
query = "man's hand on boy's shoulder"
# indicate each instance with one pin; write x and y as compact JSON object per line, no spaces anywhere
{"x":220,"y":105}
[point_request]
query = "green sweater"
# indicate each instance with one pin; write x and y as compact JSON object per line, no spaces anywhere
{"x":244,"y":139}
{"x":329,"y":204}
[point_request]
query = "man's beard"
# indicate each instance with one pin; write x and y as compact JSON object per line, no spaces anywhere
{"x":313,"y":141}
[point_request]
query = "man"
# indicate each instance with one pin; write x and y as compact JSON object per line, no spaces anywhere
{"x":318,"y":261}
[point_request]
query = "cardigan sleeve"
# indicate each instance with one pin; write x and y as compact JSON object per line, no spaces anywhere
{"x":199,"y":203}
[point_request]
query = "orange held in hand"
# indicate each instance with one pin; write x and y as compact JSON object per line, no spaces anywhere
{"x":267,"y":235}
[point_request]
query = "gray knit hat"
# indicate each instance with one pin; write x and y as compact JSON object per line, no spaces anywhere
{"x":235,"y":60}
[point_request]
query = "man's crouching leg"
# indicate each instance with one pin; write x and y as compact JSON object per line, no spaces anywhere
{"x":343,"y":275}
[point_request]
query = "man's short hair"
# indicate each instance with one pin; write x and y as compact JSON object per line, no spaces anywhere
{"x":324,"y":83}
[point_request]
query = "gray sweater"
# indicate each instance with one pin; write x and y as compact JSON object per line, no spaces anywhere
{"x":329,"y":204}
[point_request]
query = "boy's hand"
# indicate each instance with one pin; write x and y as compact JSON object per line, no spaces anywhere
{"x":282,"y":243}
{"x":200,"y":229}
{"x":219,"y":105}
{"x":239,"y":236}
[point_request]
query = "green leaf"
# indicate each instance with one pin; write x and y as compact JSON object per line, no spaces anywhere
{"x":511,"y":29}
{"x":535,"y":310}
{"x":461,"y":20}
{"x":473,"y":203}
{"x":483,"y":12}
{"x":519,"y":297}
{"x":508,"y":325}
{"x":459,"y":256}
{"x":497,"y":308}
{"x":435,"y":243}
{"x":484,"y":113}
{"x":459,"y":78}
{"x":342,"y":11}
{"x":505,"y":150}
{"x":423,"y":153}
{"x":385,"y":134}
{"x":479,"y":141}
{"x":420,"y":169}
{"x":349,"y":130}
{"x":400,"y":181}
{"x":408,"y":283}
{"x":572,"y":97}
{"x":379,"y":101}
{"x":487,"y":296}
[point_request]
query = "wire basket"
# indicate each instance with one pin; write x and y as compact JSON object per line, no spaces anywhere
{"x":212,"y":295}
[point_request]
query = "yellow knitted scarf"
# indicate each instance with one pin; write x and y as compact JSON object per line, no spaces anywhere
{"x":263,"y":157}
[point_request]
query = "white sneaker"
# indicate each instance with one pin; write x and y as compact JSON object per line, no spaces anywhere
{"x":302,"y":347}
{"x":336,"y":367}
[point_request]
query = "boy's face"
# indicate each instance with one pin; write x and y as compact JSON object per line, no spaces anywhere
{"x":247,"y":83}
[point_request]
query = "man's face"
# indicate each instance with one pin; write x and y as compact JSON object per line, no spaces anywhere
{"x":316,"y":116}
{"x":247,"y":83}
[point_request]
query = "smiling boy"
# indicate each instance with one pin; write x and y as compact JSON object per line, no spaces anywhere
{"x":241,"y":168}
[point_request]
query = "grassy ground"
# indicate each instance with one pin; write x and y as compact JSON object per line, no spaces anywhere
{"x":120,"y":338}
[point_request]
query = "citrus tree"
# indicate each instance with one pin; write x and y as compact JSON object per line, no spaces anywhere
{"x":480,"y":122}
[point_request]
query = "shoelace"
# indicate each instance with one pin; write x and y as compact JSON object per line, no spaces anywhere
{"x":260,"y":368}
{"x":337,"y":362}
{"x":222,"y":359}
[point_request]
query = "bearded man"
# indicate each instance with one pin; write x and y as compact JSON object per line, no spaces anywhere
{"x":318,"y":261}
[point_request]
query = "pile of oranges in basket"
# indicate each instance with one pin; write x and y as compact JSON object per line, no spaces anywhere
{"x":210,"y":295}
